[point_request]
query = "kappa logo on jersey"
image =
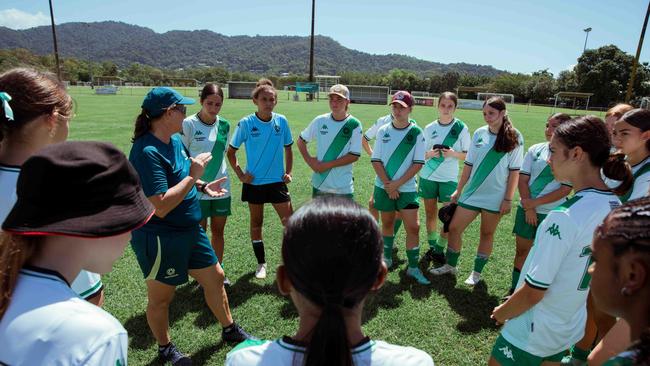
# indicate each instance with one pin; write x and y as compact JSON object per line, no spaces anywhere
{"x":554,"y":230}
{"x":198,"y":133}
{"x":276,"y":127}
{"x":170,"y":272}
{"x":507,"y":352}
{"x":434,"y":134}
{"x":255,"y":132}
{"x":479,"y":142}
{"x":537,"y":155}
{"x":323,"y":130}
{"x":386,"y":137}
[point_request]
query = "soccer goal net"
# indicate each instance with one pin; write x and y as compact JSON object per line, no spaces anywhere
{"x":508,"y":98}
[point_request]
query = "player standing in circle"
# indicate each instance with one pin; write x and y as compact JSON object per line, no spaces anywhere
{"x":547,"y":312}
{"x":614,"y":114}
{"x":486,"y":187}
{"x":331,"y":255}
{"x":397,"y":157}
{"x":620,"y":273}
{"x":268,"y":141}
{"x":206,"y":131}
{"x":338,"y":139}
{"x":172,"y":245}
{"x":50,"y":235}
{"x":35,"y":111}
{"x":539,"y":192}
{"x":447,"y":140}
{"x":632,"y":138}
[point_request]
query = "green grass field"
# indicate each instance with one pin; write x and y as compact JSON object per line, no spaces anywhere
{"x":447,"y":319}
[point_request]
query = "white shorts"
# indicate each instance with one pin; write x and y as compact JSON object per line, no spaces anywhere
{"x":87,"y":284}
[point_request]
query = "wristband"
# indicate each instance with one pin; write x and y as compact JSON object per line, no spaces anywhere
{"x":201,"y":187}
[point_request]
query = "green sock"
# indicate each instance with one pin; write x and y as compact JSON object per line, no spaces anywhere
{"x":413,"y":256}
{"x":452,"y":257}
{"x":480,"y":261}
{"x":579,"y":353}
{"x":516,"y":272}
{"x":397,"y":225}
{"x":388,"y":246}
{"x":440,"y":247}
{"x":432,"y":238}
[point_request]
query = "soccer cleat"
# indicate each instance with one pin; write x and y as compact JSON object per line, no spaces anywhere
{"x":235,"y":334}
{"x":444,"y":269}
{"x":171,"y":354}
{"x":473,"y":279}
{"x":432,"y":256}
{"x":260,"y":272}
{"x":389,"y":262}
{"x":417,"y":274}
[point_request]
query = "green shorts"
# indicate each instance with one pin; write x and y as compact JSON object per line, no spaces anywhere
{"x":316,"y":193}
{"x":507,"y":354}
{"x":220,"y":207}
{"x":406,"y":201}
{"x":522,"y":228}
{"x":167,"y":256}
{"x":441,"y":191}
{"x":474,"y":208}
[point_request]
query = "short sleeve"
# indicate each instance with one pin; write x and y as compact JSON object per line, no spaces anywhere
{"x":371,"y":132}
{"x":309,"y":133}
{"x":376,"y":151}
{"x":640,"y":187}
{"x":420,"y":149}
{"x":516,"y":156}
{"x":112,"y":352}
{"x":355,"y":143}
{"x":152,"y":172}
{"x":240,"y":135}
{"x":287,"y":139}
{"x":187,"y":132}
{"x":471,"y":153}
{"x":526,"y":167}
{"x":465,"y":139}
{"x":554,"y":237}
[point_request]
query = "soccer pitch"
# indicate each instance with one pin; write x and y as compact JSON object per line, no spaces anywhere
{"x":447,"y":319}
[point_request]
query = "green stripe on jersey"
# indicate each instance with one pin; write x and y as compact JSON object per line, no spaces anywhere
{"x":536,"y":283}
{"x":568,"y":203}
{"x":541,"y":181}
{"x":219,"y":147}
{"x":403,"y":149}
{"x":451,"y":138}
{"x":487,"y":165}
{"x":248,"y":343}
{"x":644,"y":169}
{"x":334,"y":150}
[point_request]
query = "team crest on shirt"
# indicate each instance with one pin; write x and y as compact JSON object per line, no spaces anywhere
{"x":410,"y":139}
{"x":255,"y":132}
{"x":346,"y":131}
{"x":453,"y":132}
{"x":386,"y":137}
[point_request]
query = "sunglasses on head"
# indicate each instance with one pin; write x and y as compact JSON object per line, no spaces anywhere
{"x":179,"y":107}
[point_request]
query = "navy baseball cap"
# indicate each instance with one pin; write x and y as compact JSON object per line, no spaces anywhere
{"x":160,"y":98}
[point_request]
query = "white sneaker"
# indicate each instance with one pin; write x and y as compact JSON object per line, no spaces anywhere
{"x":444,"y":269}
{"x":260,"y":272}
{"x":473,"y":279}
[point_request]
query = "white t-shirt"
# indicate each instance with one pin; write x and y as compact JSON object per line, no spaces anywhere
{"x":87,"y":283}
{"x":199,"y":137}
{"x":486,"y":186}
{"x":371,"y":133}
{"x":334,"y":139}
{"x":408,"y":148}
{"x":558,"y":264}
{"x":437,"y":133}
{"x":283,"y":352}
{"x":46,"y":323}
{"x":641,"y":172}
{"x":542,"y":181}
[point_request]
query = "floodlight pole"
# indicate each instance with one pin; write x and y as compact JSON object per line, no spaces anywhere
{"x":311,"y":49}
{"x":56,"y":48}
{"x":586,"y":30}
{"x":635,"y":63}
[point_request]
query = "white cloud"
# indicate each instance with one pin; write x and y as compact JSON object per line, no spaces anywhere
{"x":18,"y":19}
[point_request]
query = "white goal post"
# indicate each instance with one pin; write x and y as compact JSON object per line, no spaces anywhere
{"x":508,"y":98}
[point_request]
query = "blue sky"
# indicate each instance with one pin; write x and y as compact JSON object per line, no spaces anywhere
{"x":519,"y":36}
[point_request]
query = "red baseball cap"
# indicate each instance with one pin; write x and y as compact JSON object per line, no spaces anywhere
{"x":402,"y":97}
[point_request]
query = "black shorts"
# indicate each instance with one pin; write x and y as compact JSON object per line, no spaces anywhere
{"x":265,"y":193}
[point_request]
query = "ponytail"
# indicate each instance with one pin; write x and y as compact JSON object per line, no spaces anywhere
{"x":142,"y":125}
{"x":507,"y":138}
{"x":329,"y":339}
{"x":618,"y":169}
{"x":15,"y":250}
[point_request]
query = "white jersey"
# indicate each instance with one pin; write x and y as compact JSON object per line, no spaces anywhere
{"x":283,"y":352}
{"x":455,"y":135}
{"x":87,"y":283}
{"x":397,"y":150}
{"x":371,"y":133}
{"x":486,"y":186}
{"x":542,"y":181}
{"x":48,"y":324}
{"x":334,"y":139}
{"x":641,"y":172}
{"x":199,"y":137}
{"x":558,"y":263}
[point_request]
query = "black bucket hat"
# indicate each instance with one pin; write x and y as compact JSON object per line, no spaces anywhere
{"x":85,"y":189}
{"x":445,"y":214}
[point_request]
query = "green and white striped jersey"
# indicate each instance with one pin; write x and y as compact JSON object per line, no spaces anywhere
{"x":486,"y":186}
{"x":542,"y":181}
{"x":334,"y":139}
{"x":455,"y":135}
{"x":557,"y":264}
{"x":371,"y":132}
{"x":199,"y":137}
{"x":641,"y":173}
{"x":398,"y":149}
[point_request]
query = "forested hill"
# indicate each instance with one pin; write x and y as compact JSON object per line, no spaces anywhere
{"x":125,"y":44}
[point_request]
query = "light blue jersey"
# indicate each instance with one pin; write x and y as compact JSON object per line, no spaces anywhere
{"x":487,"y":182}
{"x":265,"y":143}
